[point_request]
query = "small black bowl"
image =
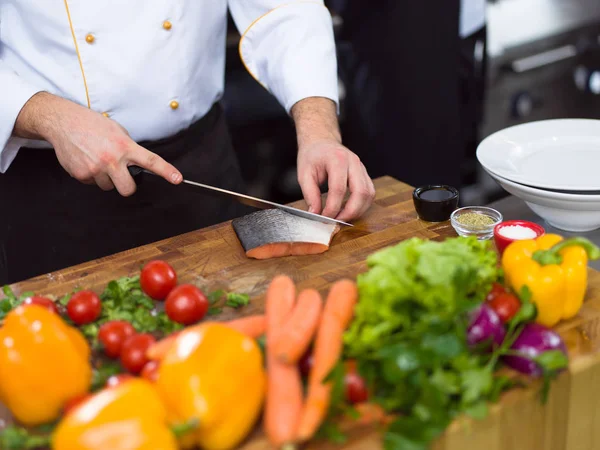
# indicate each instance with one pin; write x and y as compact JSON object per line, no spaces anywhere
{"x":435,"y":203}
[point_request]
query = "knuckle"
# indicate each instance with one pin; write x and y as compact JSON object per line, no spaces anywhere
{"x":151,"y":159}
{"x":94,"y":169}
{"x":338,"y":189}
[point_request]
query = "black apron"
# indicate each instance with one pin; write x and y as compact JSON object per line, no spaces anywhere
{"x":400,"y":62}
{"x":51,"y":221}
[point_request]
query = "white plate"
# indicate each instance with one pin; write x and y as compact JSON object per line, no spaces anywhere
{"x":561,"y":154}
{"x":570,"y":212}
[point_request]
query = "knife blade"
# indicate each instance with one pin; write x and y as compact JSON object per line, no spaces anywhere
{"x":249,"y":200}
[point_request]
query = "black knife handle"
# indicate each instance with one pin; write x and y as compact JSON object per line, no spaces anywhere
{"x":134,"y":170}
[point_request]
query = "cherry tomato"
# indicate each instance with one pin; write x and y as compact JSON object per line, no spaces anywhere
{"x":113,"y":334}
{"x":356,"y":388}
{"x":505,"y":305}
{"x":116,"y":380}
{"x":305,"y":364}
{"x":150,"y":371}
{"x":496,"y":290}
{"x":41,"y":301}
{"x":84,"y":307}
{"x":75,"y":401}
{"x":158,"y":279}
{"x":186,"y":304}
{"x":133,"y":352}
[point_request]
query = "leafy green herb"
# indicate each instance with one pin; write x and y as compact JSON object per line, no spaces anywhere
{"x":101,"y":374}
{"x":235,"y":300}
{"x":123,"y":299}
{"x":409,"y":335}
{"x":214,"y":310}
{"x":17,"y":438}
{"x":215,"y":296}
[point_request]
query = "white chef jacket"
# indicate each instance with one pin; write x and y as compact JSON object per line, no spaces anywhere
{"x":156,"y":66}
{"x":472,"y":16}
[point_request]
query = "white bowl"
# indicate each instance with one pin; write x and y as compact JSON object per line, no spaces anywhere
{"x":558,"y":154}
{"x":570,"y":212}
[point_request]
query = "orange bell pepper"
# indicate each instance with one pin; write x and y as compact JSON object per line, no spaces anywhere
{"x":214,"y":374}
{"x":129,"y":416}
{"x":44,"y":363}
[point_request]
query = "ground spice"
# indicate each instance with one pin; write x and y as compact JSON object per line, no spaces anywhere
{"x":475,"y":220}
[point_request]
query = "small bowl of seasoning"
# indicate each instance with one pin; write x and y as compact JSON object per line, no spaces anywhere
{"x":475,"y":221}
{"x":514,"y":230}
{"x":435,"y":203}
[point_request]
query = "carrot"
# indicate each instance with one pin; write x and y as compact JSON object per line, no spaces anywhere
{"x":336,"y":317}
{"x":252,"y":326}
{"x":283,"y":403}
{"x":299,"y":329}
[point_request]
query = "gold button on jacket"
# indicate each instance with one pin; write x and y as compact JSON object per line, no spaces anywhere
{"x":167,"y":25}
{"x":90,"y":38}
{"x":174,"y":104}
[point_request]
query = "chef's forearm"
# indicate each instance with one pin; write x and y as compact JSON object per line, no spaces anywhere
{"x":36,"y":119}
{"x":316,"y":120}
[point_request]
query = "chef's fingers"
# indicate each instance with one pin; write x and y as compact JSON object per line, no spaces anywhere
{"x":154,"y":163}
{"x":309,"y":184}
{"x":104,"y":182}
{"x":362,"y":192}
{"x":123,"y":180}
{"x":337,"y":180}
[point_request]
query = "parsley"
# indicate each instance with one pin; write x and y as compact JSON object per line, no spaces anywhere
{"x":237,"y":300}
{"x":17,"y":438}
{"x":123,"y":299}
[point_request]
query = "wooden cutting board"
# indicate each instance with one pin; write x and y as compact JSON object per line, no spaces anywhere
{"x":213,"y":258}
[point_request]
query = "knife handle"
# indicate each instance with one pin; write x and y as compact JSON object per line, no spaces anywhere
{"x":134,"y":170}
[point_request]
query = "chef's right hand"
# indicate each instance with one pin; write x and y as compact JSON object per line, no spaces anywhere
{"x":90,"y":147}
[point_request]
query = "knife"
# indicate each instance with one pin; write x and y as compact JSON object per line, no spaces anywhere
{"x":250,"y":201}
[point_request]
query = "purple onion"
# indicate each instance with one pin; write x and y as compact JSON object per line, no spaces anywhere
{"x":485,"y":326}
{"x":534,"y":340}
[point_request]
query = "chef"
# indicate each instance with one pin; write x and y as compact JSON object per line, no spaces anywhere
{"x":90,"y":88}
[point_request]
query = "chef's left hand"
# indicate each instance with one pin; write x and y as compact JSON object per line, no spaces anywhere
{"x":343,"y":170}
{"x":322,"y":157}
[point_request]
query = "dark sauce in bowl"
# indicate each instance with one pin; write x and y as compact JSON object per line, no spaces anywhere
{"x":435,"y":203}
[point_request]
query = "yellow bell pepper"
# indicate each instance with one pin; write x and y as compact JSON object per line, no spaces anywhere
{"x":213,"y":374}
{"x":129,"y":416}
{"x":555,"y":271}
{"x":44,"y":363}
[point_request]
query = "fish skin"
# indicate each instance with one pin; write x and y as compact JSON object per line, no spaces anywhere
{"x":273,"y":233}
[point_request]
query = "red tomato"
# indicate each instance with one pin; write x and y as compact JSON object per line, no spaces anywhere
{"x":84,"y":307}
{"x":113,"y":334}
{"x":116,"y":380}
{"x":305,"y":364}
{"x":133,"y":352}
{"x":75,"y":401}
{"x":158,"y":279}
{"x":356,"y":388}
{"x":186,"y":304}
{"x":505,"y":305}
{"x":497,"y":289}
{"x":41,"y":301}
{"x":150,"y":371}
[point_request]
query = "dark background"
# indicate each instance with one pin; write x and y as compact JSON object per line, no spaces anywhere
{"x":400,"y":89}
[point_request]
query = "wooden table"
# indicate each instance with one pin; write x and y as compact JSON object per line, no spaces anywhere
{"x":213,"y":258}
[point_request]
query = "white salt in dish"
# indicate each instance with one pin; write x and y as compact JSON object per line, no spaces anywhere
{"x":515,"y":230}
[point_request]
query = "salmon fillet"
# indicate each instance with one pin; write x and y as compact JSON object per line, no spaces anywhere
{"x":273,"y":233}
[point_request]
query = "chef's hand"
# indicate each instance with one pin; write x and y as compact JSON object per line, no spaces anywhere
{"x":90,"y":147}
{"x":321,"y":156}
